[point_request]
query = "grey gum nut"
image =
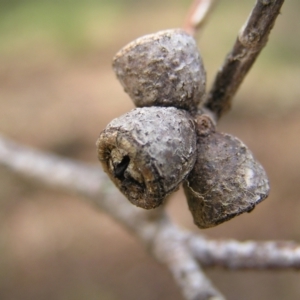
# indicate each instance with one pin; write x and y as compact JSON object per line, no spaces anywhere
{"x":162,"y":69}
{"x":148,"y":152}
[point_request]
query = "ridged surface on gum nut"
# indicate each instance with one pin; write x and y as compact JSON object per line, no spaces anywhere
{"x":162,"y":69}
{"x":147,"y":152}
{"x":225,"y":182}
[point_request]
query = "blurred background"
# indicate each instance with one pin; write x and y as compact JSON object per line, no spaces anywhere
{"x":58,"y":91}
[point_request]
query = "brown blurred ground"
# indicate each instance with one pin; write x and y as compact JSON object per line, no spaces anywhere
{"x":57,"y":91}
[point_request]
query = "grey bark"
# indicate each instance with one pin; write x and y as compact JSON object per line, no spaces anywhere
{"x":250,"y":41}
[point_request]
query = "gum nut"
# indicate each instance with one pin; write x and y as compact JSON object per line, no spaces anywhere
{"x":162,"y":69}
{"x":226,"y":180}
{"x":148,"y":152}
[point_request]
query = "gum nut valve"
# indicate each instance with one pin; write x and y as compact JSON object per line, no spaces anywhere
{"x":162,"y":69}
{"x":148,"y":152}
{"x":226,"y":180}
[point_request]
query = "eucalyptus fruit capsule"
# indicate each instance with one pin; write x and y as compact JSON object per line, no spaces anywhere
{"x":162,"y":69}
{"x":148,"y":152}
{"x":226,"y":180}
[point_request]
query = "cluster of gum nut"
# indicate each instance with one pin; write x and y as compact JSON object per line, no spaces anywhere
{"x":168,"y":140}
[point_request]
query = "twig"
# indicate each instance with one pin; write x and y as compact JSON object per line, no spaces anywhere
{"x":252,"y":38}
{"x":197,"y":15}
{"x":179,"y":250}
{"x":162,"y":238}
{"x":231,"y":254}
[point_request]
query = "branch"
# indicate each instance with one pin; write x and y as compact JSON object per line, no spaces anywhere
{"x":153,"y":228}
{"x":198,"y":14}
{"x":179,"y":250}
{"x":252,"y":38}
{"x":231,"y":254}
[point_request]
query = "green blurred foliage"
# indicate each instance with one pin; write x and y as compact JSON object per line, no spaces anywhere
{"x":63,"y":22}
{"x":68,"y":22}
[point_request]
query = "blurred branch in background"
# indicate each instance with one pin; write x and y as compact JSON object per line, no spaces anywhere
{"x":198,"y":14}
{"x":163,"y":239}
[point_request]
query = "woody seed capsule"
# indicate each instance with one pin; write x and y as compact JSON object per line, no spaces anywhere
{"x":162,"y":69}
{"x":226,"y":180}
{"x":147,"y":153}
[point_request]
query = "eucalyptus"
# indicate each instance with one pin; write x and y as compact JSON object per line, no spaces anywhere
{"x":162,"y":69}
{"x":226,"y":180}
{"x":169,"y":139}
{"x":148,"y":152}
